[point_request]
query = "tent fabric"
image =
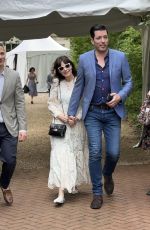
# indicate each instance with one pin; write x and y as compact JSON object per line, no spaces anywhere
{"x":25,"y":10}
{"x":44,"y":44}
{"x":31,"y":19}
{"x":39,"y":53}
{"x":26,"y":20}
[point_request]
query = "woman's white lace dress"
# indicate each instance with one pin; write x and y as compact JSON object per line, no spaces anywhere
{"x":69,"y":155}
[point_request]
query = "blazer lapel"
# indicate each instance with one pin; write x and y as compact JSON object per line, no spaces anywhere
{"x":6,"y":83}
{"x":111,"y":62}
{"x":92,"y":62}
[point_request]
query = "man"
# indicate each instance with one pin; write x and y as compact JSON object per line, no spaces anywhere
{"x":103,"y":82}
{"x":12,"y":123}
{"x":49,"y":82}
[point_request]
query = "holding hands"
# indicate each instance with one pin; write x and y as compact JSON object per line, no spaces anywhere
{"x":68,"y":119}
{"x":72,"y":121}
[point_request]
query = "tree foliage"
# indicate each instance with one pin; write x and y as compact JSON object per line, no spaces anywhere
{"x":128,"y":41}
{"x":80,"y":45}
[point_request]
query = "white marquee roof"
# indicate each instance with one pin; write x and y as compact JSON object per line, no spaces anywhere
{"x":44,"y":44}
{"x":28,"y":19}
{"x":34,"y":9}
{"x":35,"y":19}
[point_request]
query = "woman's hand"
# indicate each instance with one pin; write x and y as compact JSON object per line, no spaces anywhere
{"x":72,"y":121}
{"x":63,"y":118}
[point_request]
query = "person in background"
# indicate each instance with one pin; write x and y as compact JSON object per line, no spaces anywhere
{"x":69,"y":155}
{"x":32,"y":83}
{"x":144,"y":141}
{"x":49,"y":82}
{"x":103,"y":83}
{"x":12,"y":123}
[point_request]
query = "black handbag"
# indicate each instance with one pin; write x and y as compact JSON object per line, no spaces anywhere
{"x":57,"y":130}
{"x":26,"y":89}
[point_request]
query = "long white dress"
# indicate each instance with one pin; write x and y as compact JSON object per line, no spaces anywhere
{"x":69,"y":155}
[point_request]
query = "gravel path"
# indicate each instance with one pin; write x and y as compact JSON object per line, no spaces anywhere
{"x":34,"y":153}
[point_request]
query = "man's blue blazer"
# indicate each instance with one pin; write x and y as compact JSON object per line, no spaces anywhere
{"x":120,"y":81}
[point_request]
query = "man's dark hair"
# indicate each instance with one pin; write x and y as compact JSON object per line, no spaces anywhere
{"x":96,"y":28}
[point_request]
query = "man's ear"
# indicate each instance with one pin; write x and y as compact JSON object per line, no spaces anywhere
{"x":92,"y":41}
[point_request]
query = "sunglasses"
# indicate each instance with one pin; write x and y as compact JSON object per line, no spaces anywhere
{"x":67,"y":66}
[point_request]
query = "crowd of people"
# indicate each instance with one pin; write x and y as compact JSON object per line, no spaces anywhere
{"x":89,"y":101}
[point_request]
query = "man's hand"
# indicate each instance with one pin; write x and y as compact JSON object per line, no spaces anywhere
{"x":116,"y":99}
{"x":71,"y":121}
{"x":22,"y":135}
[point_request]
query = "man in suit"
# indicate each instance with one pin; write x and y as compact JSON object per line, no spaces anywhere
{"x":103,"y":82}
{"x":12,"y":123}
{"x":49,"y":82}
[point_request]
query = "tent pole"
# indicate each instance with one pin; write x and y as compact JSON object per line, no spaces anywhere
{"x":145,"y":60}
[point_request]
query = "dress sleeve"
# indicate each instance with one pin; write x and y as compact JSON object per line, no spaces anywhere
{"x":54,"y":104}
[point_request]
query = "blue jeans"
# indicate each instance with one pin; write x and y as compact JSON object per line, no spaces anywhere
{"x":100,"y":121}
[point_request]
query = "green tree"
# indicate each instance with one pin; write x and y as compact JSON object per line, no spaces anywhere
{"x":129,"y":41}
{"x":79,"y":45}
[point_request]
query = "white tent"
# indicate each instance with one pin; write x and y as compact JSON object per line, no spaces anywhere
{"x":33,"y":19}
{"x":39,"y":53}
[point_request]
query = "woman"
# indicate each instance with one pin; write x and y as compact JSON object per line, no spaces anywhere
{"x":69,"y":156}
{"x":145,"y":120}
{"x":32,"y":81}
{"x":145,"y":142}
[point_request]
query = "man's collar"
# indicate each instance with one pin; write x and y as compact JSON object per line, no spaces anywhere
{"x":107,"y":54}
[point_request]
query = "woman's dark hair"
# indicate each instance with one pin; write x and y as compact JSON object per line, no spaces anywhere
{"x":32,"y":68}
{"x":96,"y":28}
{"x":2,"y":45}
{"x":57,"y":64}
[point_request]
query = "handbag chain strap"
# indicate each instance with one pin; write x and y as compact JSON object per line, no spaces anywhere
{"x":60,"y":100}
